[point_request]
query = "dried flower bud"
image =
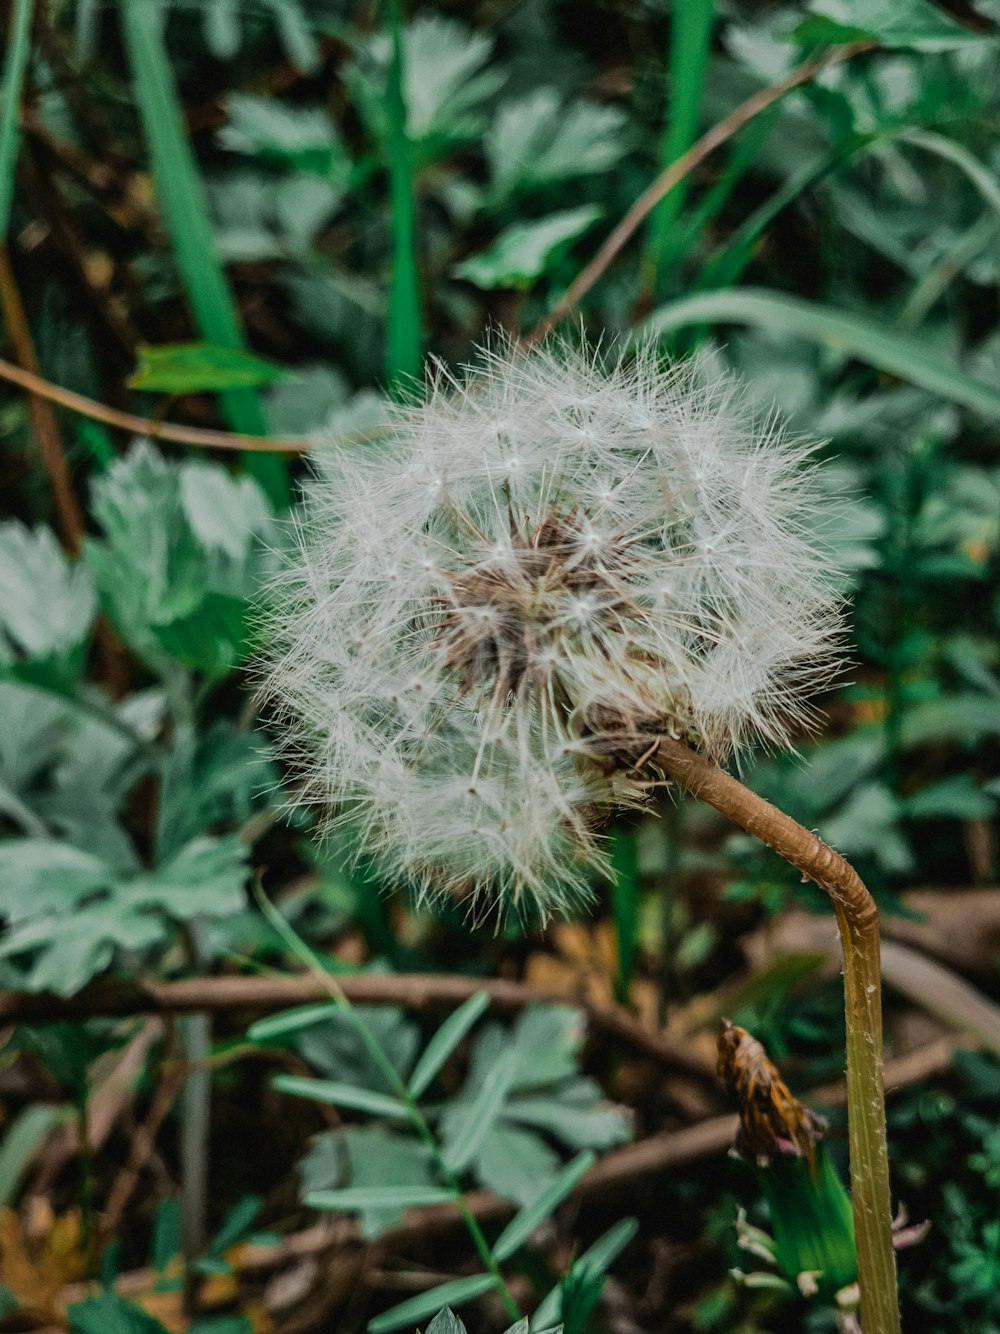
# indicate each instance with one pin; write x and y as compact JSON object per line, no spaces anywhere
{"x":493,"y":612}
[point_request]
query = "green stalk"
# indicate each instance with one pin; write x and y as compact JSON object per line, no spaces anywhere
{"x":185,"y":208}
{"x":857,"y":920}
{"x":690,"y":41}
{"x":398,"y":1085}
{"x":14,"y":67}
{"x":404,"y":336}
{"x":195,"y":1110}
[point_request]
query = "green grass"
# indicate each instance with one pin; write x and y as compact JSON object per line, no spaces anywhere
{"x":690,"y":40}
{"x":15,"y":64}
{"x":182,"y":198}
{"x":404,"y":336}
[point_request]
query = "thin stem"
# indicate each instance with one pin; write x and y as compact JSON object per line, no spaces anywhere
{"x":398,"y":1085}
{"x":195,"y":1111}
{"x":857,"y":920}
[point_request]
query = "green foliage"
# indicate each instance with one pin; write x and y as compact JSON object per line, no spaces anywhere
{"x":342,"y":191}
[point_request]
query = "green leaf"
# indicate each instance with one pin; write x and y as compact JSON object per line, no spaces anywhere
{"x":524,"y":251}
{"x":206,"y":878}
{"x":404,"y":334}
{"x":427,"y":1303}
{"x":446,"y":1322}
{"x":181,"y":194}
{"x":539,"y":139}
{"x":289,"y":1021}
{"x":597,"y":1259}
{"x":379,"y":1197}
{"x":23,"y":1136}
{"x":957,"y":720}
{"x":445,"y":1040}
{"x":910,"y":25}
{"x":189,"y":368}
{"x":908,"y":357}
{"x":957,"y":797}
{"x":342,"y":1095}
{"x":111,"y":1314}
{"x":467,"y":1125}
{"x":524,"y":1223}
{"x":448,"y":76}
{"x":47,"y":603}
{"x":15,"y":64}
{"x":363,"y":1156}
{"x":516,"y":1164}
{"x":303,"y":138}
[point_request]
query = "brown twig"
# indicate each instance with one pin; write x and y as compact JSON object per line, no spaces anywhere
{"x":416,"y":990}
{"x":676,"y":172}
{"x":143,"y":1144}
{"x":126,"y":421}
{"x":69,"y":516}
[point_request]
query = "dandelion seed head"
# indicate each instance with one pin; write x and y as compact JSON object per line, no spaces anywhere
{"x":490,"y":615}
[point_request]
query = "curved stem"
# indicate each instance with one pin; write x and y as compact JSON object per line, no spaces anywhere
{"x":857,"y":920}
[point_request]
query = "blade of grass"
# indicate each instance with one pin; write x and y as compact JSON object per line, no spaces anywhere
{"x":880,"y":345}
{"x":690,"y":38}
{"x":625,"y":907}
{"x":404,"y":336}
{"x":14,"y":66}
{"x":182,"y":198}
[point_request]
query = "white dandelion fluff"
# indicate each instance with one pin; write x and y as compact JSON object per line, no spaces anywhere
{"x":493,"y":612}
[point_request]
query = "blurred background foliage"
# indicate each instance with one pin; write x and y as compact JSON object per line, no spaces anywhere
{"x":261,"y":215}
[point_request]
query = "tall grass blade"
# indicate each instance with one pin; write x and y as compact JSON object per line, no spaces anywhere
{"x":14,"y":66}
{"x":910,"y":358}
{"x":404,"y":337}
{"x":690,"y":39}
{"x":182,"y":198}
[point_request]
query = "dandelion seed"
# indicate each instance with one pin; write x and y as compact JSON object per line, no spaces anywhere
{"x":491,"y":615}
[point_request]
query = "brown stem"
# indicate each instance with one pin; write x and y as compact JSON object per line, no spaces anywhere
{"x":69,"y":516}
{"x":126,"y":421}
{"x":857,"y":920}
{"x":683,"y":166}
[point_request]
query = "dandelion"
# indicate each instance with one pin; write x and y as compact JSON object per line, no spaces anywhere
{"x":493,"y":613}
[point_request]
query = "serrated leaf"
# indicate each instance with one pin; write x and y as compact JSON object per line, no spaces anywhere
{"x":911,"y":25}
{"x":523,"y":252}
{"x":445,"y":1322}
{"x":47,"y":603}
{"x":205,"y":878}
{"x":427,"y":1303}
{"x":467,"y":1125}
{"x":448,"y":77}
{"x":524,"y":1223}
{"x":379,"y":1197}
{"x":445,"y":1040}
{"x":301,"y":137}
{"x":539,"y":139}
{"x":342,"y":1095}
{"x":190,"y":368}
